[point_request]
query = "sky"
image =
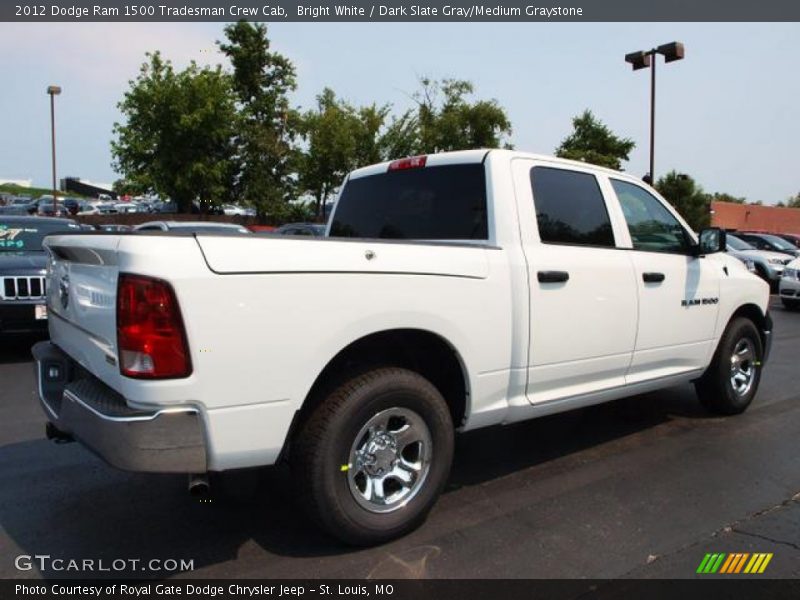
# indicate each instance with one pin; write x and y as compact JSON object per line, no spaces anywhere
{"x":728,"y":115}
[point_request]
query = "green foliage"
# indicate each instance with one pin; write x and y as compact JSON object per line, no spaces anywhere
{"x":400,"y":137}
{"x":213,"y":135}
{"x":267,"y":125}
{"x":177,"y":138}
{"x":593,"y":142}
{"x":794,"y":201}
{"x":687,"y":197}
{"x":33,"y":192}
{"x":297,"y":212}
{"x":339,"y":138}
{"x":723,"y":197}
{"x":446,"y":120}
{"x":124,"y":187}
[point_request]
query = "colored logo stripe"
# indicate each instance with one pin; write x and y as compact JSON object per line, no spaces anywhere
{"x":734,"y":563}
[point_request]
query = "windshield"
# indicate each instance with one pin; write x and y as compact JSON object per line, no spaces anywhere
{"x":27,"y":236}
{"x":738,"y":244}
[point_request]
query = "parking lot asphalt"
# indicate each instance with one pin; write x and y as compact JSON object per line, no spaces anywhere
{"x":642,"y":487}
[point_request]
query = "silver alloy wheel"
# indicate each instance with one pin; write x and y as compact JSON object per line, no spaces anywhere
{"x":389,"y":460}
{"x":743,"y":366}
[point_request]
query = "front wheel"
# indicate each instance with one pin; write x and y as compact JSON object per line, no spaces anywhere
{"x":372,"y":458}
{"x":731,"y":381}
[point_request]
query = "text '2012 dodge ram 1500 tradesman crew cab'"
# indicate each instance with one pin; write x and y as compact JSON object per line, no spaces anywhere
{"x":452,"y":292}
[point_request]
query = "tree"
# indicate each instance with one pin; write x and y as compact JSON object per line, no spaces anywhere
{"x":331,"y":132}
{"x":794,"y":201}
{"x":723,"y":197}
{"x":593,"y":142}
{"x":400,"y":137}
{"x":446,"y":120}
{"x":267,"y":125}
{"x":178,"y":131}
{"x":123,"y":187}
{"x":687,"y":197}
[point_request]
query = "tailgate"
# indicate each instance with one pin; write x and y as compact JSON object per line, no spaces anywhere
{"x":81,"y":299}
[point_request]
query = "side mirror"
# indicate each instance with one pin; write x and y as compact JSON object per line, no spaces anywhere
{"x":711,"y":240}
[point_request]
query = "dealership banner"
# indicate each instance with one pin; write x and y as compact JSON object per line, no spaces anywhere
{"x":400,"y":10}
{"x":507,"y":589}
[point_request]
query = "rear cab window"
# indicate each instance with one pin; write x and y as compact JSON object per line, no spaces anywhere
{"x":430,"y":203}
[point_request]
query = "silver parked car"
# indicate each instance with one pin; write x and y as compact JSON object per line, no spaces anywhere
{"x":768,"y":265}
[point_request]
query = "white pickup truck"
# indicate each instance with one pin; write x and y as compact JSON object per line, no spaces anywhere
{"x":451,"y":292}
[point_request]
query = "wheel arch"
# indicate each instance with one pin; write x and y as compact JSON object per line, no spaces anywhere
{"x":418,"y":350}
{"x":760,"y":319}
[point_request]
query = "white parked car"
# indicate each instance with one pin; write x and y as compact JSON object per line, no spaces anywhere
{"x":460,"y":290}
{"x":790,"y":285}
{"x":233,"y":210}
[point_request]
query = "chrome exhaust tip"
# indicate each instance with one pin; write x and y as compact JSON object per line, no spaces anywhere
{"x":199,"y":487}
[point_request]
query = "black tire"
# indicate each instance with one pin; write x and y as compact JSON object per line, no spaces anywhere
{"x":716,"y":387}
{"x":323,"y":449}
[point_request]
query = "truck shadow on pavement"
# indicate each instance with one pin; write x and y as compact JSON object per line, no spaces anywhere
{"x":61,"y":501}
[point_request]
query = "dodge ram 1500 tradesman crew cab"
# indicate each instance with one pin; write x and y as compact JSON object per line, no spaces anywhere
{"x":451,"y":292}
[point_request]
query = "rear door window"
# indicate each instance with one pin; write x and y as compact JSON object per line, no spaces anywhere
{"x":570,"y":208}
{"x":445,"y":202}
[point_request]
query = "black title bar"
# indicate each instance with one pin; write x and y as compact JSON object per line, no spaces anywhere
{"x":508,"y":589}
{"x":400,"y":11}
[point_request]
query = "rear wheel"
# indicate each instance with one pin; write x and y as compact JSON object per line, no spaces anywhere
{"x":731,"y":381}
{"x":373,"y":457}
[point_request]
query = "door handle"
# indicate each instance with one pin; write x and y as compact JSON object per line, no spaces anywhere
{"x":653,"y":277}
{"x":552,"y":276}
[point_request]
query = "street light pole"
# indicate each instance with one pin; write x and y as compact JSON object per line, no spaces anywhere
{"x":647,"y":58}
{"x":53,"y":90}
{"x":653,"y":120}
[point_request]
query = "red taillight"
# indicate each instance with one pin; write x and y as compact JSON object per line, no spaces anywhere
{"x":412,"y":162}
{"x":150,"y":334}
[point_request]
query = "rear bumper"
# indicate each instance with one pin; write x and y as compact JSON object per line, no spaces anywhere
{"x":168,"y":440}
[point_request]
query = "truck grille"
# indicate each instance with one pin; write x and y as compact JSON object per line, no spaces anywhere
{"x":23,"y":288}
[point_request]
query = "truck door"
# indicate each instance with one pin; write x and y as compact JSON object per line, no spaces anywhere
{"x":583,"y":293}
{"x":678,"y":292}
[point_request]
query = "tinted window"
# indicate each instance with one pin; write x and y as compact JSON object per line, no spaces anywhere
{"x":570,"y":208}
{"x":429,"y":203}
{"x":651,"y":225}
